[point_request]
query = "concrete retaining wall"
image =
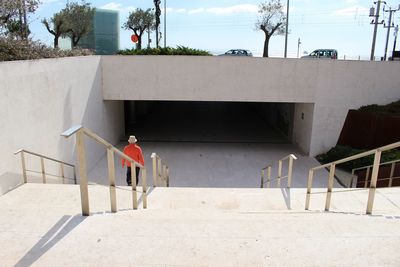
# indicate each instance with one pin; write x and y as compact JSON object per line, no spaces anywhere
{"x":333,"y":86}
{"x":42,"y":98}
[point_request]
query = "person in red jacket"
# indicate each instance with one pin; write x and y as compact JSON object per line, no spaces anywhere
{"x":134,"y":152}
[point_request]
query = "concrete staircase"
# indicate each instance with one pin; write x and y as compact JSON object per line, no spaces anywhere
{"x":41,"y":225}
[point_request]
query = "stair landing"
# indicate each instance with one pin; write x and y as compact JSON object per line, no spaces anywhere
{"x":40,"y":225}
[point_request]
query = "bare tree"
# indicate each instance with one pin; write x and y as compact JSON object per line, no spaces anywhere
{"x":139,"y":21}
{"x":271,"y":21}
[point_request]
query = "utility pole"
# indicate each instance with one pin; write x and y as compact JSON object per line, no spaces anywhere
{"x":372,"y":13}
{"x":287,"y":28}
{"x":390,"y":25}
{"x":165,"y":23}
{"x":298,"y":47}
{"x":396,"y":31}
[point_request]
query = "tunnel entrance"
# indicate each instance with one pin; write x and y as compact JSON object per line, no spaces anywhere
{"x":209,"y":122}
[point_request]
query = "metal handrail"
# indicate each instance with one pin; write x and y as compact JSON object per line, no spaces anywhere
{"x":160,"y":171}
{"x":43,"y":170}
{"x":368,"y":168}
{"x":80,"y":132}
{"x":332,"y":166}
{"x":289,"y":157}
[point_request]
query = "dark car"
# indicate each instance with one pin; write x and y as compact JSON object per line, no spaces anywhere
{"x":323,"y":53}
{"x":238,"y":52}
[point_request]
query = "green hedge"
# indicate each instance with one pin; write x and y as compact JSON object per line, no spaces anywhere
{"x":390,"y":109}
{"x":340,"y":152}
{"x":168,"y":51}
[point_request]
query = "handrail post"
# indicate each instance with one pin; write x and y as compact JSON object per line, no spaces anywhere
{"x":262,"y":179}
{"x":164,"y":168}
{"x":352,"y":178}
{"x":391,"y":174}
{"x":279,"y":173}
{"x":83,"y":181}
{"x":43,"y":170}
{"x":154,"y":156}
{"x":75,"y":182}
{"x":290,"y":172}
{"x":309,"y":186}
{"x":159,"y":170}
{"x":374,"y":179}
{"x":167,"y":177}
{"x":23,"y":167}
{"x":111,"y":179}
{"x":62,"y":172}
{"x":134,"y":192}
{"x":366,"y":177}
{"x":144,"y":188}
{"x":330,"y":186}
{"x":269,"y":177}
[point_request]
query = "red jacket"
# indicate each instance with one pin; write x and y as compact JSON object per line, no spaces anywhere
{"x":135,"y":153}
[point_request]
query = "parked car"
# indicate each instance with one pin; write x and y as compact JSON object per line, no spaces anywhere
{"x":323,"y":53}
{"x":238,"y":52}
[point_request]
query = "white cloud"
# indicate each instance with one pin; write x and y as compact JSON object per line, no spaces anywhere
{"x":196,"y":11}
{"x":49,"y":1}
{"x":351,"y":11}
{"x":244,"y":8}
{"x":112,"y":6}
{"x":118,"y":6}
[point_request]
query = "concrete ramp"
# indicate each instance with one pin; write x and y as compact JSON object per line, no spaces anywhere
{"x":40,"y":225}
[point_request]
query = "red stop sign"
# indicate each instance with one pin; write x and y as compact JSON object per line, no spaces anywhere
{"x":134,"y":38}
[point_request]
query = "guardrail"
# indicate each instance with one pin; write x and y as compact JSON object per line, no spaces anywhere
{"x":290,"y":158}
{"x":160,"y":171}
{"x":80,"y":132}
{"x":332,"y":166}
{"x":368,"y":172}
{"x":43,"y":169}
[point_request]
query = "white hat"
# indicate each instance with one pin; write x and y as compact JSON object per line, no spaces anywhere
{"x":132,"y":139}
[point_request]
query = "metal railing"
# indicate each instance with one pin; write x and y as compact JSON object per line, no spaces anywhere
{"x":290,"y":158}
{"x":43,"y":169}
{"x":368,"y":172}
{"x":80,"y":132}
{"x":160,"y":171}
{"x":332,"y":166}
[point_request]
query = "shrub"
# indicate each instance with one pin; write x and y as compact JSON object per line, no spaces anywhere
{"x":11,"y":49}
{"x":392,"y":108}
{"x":340,"y":152}
{"x":180,"y":50}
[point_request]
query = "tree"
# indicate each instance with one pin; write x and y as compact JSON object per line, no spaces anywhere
{"x":139,"y":21}
{"x":57,"y":25}
{"x":157,"y":17}
{"x":14,"y":16}
{"x":79,"y":19}
{"x":271,"y":21}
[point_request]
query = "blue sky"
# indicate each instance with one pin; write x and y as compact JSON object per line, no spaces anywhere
{"x":220,"y":25}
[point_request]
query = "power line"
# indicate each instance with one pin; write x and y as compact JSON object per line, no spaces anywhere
{"x":390,"y":25}
{"x":372,"y":13}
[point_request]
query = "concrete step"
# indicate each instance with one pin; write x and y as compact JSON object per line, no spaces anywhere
{"x":40,"y":225}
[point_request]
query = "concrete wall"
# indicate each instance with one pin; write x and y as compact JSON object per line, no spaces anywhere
{"x":333,"y":86}
{"x":42,"y":98}
{"x":302,"y":126}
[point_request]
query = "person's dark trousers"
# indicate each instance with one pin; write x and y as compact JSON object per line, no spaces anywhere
{"x":129,"y":176}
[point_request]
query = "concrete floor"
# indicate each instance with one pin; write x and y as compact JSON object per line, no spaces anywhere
{"x":40,"y":225}
{"x":227,"y":165}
